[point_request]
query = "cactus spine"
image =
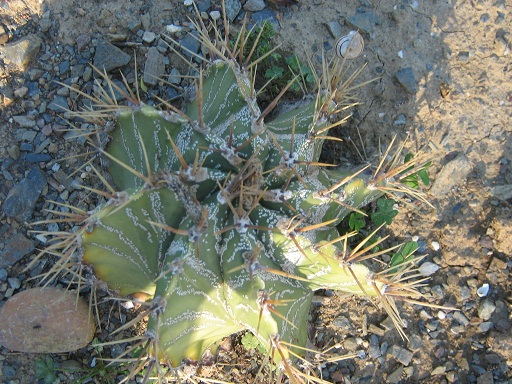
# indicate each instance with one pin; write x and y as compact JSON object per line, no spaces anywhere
{"x":224,"y":220}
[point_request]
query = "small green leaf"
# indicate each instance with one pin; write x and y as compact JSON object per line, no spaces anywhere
{"x":423,"y":174}
{"x":405,"y":254}
{"x":385,"y":213}
{"x":274,"y":72}
{"x":45,"y":370}
{"x":250,"y":342}
{"x":143,"y":85}
{"x":356,"y":221}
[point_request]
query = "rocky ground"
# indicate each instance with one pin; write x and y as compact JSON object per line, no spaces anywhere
{"x":444,"y":72}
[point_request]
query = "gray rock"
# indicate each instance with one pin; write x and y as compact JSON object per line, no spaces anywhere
{"x":428,"y":268}
{"x":400,"y":120}
{"x":334,"y":28}
{"x":174,"y":77}
{"x":452,"y":174}
{"x":438,"y":370}
{"x":406,"y":79}
{"x":463,"y":56}
{"x":501,"y":46}
{"x":486,"y":309}
{"x":15,"y":248}
{"x":38,"y":157}
{"x":215,"y":15}
{"x":395,"y":376}
{"x":82,"y":41}
{"x":267,"y":15}
{"x":148,"y":37}
{"x":485,"y":326}
{"x":502,"y":192}
{"x":190,"y":44}
{"x":26,"y":121}
{"x":154,"y":67}
{"x":3,"y":274}
{"x":342,"y":322}
{"x":485,"y":378}
{"x":59,"y":104}
{"x":45,"y":24}
{"x":203,"y":5}
{"x":364,"y":21}
{"x":34,"y":74}
{"x":460,"y":318}
{"x":21,"y":92}
{"x":21,"y":200}
{"x":21,"y":52}
{"x":374,"y":350}
{"x":233,"y":8}
{"x":404,"y":356}
{"x":415,"y":342}
{"x":14,"y":282}
{"x":350,"y":344}
{"x":108,"y":57}
{"x":254,"y":5}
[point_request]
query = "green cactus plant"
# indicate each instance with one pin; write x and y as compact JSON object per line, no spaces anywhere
{"x":223,"y":220}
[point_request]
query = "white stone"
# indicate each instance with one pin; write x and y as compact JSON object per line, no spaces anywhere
{"x":428,"y":268}
{"x":171,"y":28}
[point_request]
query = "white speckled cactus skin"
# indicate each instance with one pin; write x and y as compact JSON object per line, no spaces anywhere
{"x":225,"y":221}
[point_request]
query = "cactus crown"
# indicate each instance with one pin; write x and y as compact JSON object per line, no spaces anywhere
{"x":223,"y":219}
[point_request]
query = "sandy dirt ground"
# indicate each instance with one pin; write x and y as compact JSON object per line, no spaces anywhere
{"x":444,"y":74}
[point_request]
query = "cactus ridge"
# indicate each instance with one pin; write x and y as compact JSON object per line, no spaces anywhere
{"x":226,"y":222}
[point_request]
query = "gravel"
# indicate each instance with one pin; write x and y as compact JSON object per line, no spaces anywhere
{"x":470,"y":345}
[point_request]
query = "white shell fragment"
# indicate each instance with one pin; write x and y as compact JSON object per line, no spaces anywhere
{"x":435,"y":246}
{"x":350,"y":46}
{"x":483,"y":290}
{"x":428,"y":268}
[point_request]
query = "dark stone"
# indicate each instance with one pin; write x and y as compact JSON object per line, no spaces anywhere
{"x":364,"y":21}
{"x":203,"y":5}
{"x":64,"y":67}
{"x":265,"y":15}
{"x":154,"y":67}
{"x":38,"y":157}
{"x":15,"y":248}
{"x":407,"y":80}
{"x":59,"y":104}
{"x":233,"y":8}
{"x":21,"y":200}
{"x":190,"y":44}
{"x":108,"y":57}
{"x":21,"y":52}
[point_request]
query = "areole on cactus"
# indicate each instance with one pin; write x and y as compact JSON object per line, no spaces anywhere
{"x":224,"y":220}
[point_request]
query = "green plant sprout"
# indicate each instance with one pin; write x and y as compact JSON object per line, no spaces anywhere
{"x":251,"y":342}
{"x":46,"y":370}
{"x":413,"y":180}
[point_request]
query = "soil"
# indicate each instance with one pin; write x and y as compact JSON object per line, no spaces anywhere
{"x":457,"y":108}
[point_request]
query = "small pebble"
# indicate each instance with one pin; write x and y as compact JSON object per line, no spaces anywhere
{"x":148,"y":37}
{"x":485,"y":309}
{"x":460,"y":318}
{"x":215,"y":15}
{"x":485,"y":326}
{"x":404,"y":356}
{"x":438,"y":370}
{"x":14,"y":282}
{"x":428,"y":268}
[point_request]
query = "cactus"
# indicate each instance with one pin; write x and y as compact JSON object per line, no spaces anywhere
{"x":224,"y":220}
